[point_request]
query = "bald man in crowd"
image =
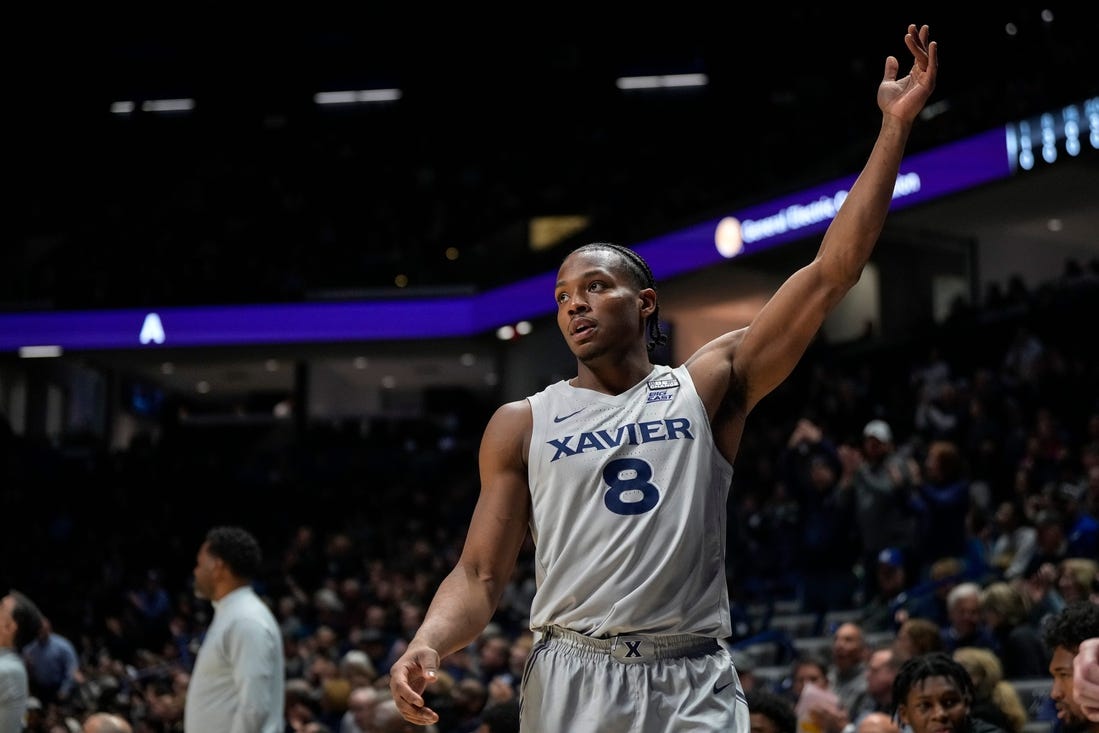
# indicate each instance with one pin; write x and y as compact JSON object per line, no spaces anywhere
{"x":106,"y":723}
{"x":877,"y":723}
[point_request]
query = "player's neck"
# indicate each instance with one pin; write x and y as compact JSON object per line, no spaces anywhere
{"x":611,"y":378}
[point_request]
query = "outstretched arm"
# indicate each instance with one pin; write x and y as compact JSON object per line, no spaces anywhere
{"x":777,"y":338}
{"x":466,"y":599}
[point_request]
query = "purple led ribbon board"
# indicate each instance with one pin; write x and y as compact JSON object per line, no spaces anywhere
{"x":948,"y":169}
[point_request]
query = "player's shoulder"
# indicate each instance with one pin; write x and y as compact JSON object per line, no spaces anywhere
{"x":508,"y":432}
{"x":515,"y":415}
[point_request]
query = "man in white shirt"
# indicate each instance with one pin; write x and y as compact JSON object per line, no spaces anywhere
{"x":20,"y":620}
{"x":238,"y":682}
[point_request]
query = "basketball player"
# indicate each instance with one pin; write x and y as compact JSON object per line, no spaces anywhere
{"x":622,"y":473}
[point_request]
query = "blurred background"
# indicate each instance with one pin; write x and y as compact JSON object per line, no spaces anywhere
{"x":241,"y":160}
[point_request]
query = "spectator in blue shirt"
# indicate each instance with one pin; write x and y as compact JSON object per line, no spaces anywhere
{"x":53,"y":665}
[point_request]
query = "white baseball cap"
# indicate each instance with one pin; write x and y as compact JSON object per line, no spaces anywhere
{"x":878,"y":429}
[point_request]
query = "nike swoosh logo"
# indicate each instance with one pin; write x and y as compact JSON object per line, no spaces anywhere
{"x":719,"y":689}
{"x":562,"y":418}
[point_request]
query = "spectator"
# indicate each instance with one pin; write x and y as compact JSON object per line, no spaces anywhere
{"x":881,"y":670}
{"x":941,"y":415}
{"x":356,"y":667}
{"x":493,"y":651}
{"x":106,"y":723}
{"x":503,"y":717}
{"x":1019,"y":642}
{"x":53,"y":666}
{"x":928,"y":600}
{"x":1040,"y":586}
{"x":932,"y":373}
{"x":830,"y":548}
{"x":387,"y":719}
{"x":890,"y":604}
{"x":1025,"y":351}
{"x":20,"y":621}
{"x":916,"y":637}
{"x":470,"y":697}
{"x":963,"y":607}
{"x":361,"y":702}
{"x":1063,"y":634}
{"x":745,"y":668}
{"x":1081,"y":528}
{"x":994,"y":698}
{"x":945,"y":495}
{"x":1077,"y":578}
{"x":1014,"y":541}
{"x":769,"y":712}
{"x":153,"y":608}
{"x":882,"y":481}
{"x":828,"y":715}
{"x":301,"y":704}
{"x":934,"y":694}
{"x":877,"y":723}
{"x":804,"y":669}
{"x":847,"y":672}
{"x":518,"y":654}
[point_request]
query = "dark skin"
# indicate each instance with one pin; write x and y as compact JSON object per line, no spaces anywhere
{"x":602,"y":312}
{"x":1069,"y":709}
{"x":760,"y":723}
{"x":934,"y":705}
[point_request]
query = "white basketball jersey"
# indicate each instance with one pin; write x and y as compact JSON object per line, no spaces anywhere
{"x":628,"y":515}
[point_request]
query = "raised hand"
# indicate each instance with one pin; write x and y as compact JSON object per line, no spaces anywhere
{"x":905,"y":97}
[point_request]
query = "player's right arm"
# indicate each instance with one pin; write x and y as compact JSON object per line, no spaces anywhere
{"x":467,"y":598}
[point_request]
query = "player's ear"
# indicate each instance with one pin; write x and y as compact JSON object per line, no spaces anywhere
{"x":647,"y":298}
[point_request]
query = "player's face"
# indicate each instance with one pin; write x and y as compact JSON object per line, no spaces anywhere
{"x":934,"y":705}
{"x":599,"y":307}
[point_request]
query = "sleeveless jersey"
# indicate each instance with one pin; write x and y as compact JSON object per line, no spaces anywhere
{"x":628,"y":510}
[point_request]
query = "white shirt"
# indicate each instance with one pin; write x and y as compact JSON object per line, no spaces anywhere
{"x":1019,"y":544}
{"x":238,"y":682}
{"x":14,"y":691}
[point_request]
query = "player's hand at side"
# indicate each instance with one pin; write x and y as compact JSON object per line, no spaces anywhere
{"x":410,"y":675}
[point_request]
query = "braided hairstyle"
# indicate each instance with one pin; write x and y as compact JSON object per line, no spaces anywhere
{"x":642,"y":276}
{"x":933,"y":664}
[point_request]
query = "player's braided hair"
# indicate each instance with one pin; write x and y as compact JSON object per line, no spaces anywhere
{"x":642,"y":276}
